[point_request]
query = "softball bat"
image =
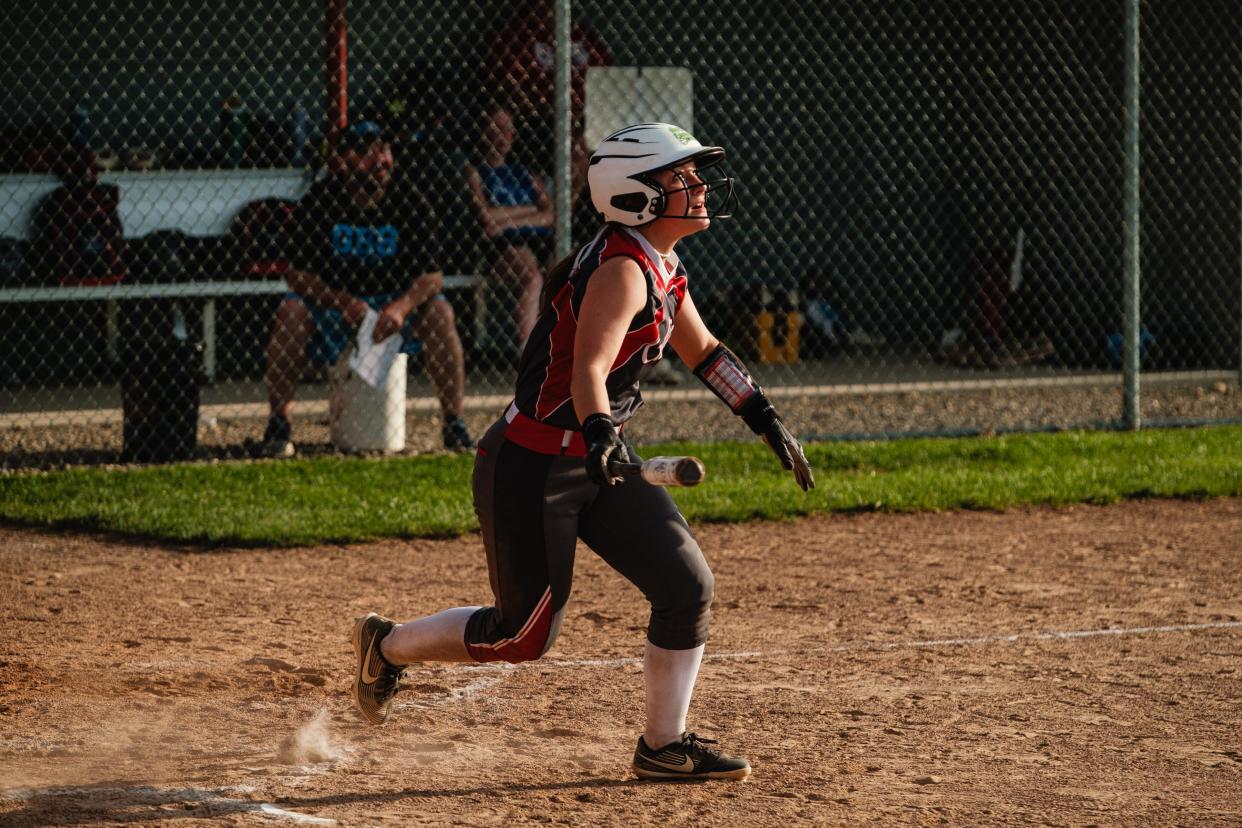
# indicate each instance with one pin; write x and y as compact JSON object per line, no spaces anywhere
{"x":664,"y":471}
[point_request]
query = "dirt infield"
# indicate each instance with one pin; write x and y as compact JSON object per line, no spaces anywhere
{"x":1077,"y":666}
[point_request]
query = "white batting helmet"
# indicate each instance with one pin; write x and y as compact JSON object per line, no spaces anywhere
{"x":622,"y":188}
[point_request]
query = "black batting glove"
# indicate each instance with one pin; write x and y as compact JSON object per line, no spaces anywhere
{"x":762,"y":418}
{"x":604,"y":446}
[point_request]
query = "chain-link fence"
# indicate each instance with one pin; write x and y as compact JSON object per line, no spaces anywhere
{"x":196,"y":214}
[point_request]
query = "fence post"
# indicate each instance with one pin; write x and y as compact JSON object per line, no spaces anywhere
{"x":335,"y":71}
{"x":1130,"y":264}
{"x":563,"y":205}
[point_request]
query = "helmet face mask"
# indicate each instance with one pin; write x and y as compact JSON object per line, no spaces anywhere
{"x":622,"y":180}
{"x":715,"y":185}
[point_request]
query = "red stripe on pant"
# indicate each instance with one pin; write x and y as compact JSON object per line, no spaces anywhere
{"x":527,"y":645}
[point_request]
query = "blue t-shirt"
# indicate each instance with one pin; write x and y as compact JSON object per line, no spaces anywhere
{"x":363,"y":251}
{"x":510,"y":185}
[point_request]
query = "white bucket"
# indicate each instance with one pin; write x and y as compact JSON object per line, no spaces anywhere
{"x":363,"y":418}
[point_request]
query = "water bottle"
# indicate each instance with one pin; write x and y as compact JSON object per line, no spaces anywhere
{"x":298,"y":122}
{"x":83,"y":132}
{"x":233,"y":123}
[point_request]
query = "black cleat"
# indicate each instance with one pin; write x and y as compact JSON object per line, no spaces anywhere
{"x":689,"y":758}
{"x":375,"y":681}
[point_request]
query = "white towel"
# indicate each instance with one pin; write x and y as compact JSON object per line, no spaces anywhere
{"x":371,"y":360}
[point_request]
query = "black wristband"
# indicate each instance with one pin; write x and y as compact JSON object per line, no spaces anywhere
{"x":758,"y":413}
{"x":594,"y":423}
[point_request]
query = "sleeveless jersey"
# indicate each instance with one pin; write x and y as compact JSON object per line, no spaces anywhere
{"x":546,"y":366}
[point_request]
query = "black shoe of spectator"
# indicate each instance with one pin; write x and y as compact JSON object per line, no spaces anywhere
{"x":456,"y":436}
{"x":277,"y":439}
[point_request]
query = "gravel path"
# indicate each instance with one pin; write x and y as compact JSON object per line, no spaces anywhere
{"x":825,"y":415}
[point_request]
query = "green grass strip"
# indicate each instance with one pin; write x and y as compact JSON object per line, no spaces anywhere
{"x":344,"y":500}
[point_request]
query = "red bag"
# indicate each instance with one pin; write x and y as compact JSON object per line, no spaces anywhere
{"x":76,"y":237}
{"x":260,"y":231}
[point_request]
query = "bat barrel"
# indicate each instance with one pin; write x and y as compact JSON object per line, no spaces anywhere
{"x":664,"y":471}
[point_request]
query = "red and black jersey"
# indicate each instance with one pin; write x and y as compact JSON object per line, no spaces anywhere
{"x":547,"y":362}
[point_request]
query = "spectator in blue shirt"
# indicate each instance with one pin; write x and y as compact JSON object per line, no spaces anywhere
{"x":356,"y":243}
{"x":516,"y":214}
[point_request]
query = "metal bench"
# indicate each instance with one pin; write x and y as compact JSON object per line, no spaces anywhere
{"x":206,"y":291}
{"x":199,"y":203}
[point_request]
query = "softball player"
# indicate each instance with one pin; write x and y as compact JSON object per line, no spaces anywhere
{"x":541,"y":475}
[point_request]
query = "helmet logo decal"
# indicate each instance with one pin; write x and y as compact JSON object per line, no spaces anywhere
{"x":681,"y":135}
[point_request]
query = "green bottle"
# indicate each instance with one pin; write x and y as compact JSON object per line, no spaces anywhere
{"x":234,"y":119}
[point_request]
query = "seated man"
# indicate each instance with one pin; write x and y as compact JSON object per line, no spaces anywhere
{"x":356,"y":244}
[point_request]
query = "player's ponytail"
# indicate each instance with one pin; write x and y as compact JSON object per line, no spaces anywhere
{"x":557,"y":276}
{"x":560,"y":272}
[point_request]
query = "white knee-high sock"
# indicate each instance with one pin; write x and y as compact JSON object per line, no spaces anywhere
{"x":439,"y":637}
{"x":668,"y":678}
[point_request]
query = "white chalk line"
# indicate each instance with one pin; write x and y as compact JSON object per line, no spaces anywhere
{"x":474,"y":688}
{"x":859,"y":646}
{"x":272,"y":810}
{"x":1049,"y":636}
{"x":209,"y":800}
